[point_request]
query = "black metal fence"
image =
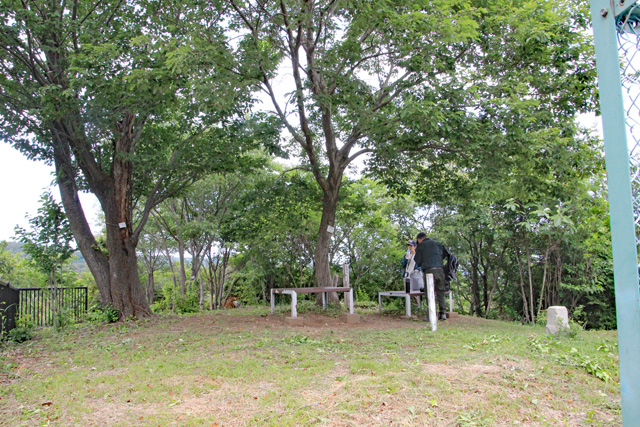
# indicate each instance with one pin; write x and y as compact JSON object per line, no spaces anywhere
{"x":42,"y":304}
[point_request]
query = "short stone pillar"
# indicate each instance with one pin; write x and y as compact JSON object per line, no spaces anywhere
{"x":557,"y":319}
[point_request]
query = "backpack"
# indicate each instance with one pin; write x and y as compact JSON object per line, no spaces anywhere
{"x":450,"y":272}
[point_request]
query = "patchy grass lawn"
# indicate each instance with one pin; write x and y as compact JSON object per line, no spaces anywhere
{"x":243,"y":367}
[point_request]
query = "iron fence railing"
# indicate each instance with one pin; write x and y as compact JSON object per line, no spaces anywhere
{"x":42,"y":304}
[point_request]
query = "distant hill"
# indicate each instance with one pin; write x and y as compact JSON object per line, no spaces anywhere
{"x":78,"y":264}
{"x":16,"y":248}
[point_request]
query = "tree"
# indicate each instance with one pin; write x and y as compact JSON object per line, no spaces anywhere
{"x":273,"y":222}
{"x":19,"y":271}
{"x":101,"y":91}
{"x":507,"y":123}
{"x":193,"y":221}
{"x":372,"y":230}
{"x":151,"y":251}
{"x":48,"y":242}
{"x":360,"y":73}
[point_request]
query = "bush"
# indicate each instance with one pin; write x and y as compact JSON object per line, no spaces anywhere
{"x":103,"y":313}
{"x":366,"y":304}
{"x":62,"y":319}
{"x":25,"y":327}
{"x":171,"y":297}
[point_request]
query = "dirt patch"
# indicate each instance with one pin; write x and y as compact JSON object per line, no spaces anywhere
{"x":373,"y":321}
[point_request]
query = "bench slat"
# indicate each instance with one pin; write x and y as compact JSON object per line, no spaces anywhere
{"x":315,"y":290}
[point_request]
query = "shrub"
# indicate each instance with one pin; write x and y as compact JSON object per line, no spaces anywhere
{"x":187,"y":303}
{"x":23,"y":331}
{"x":103,"y":313}
{"x":62,"y":319}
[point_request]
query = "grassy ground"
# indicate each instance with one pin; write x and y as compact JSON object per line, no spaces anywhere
{"x":244,"y":367}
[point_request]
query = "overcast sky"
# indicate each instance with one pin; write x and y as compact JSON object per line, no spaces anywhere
{"x":22,"y":182}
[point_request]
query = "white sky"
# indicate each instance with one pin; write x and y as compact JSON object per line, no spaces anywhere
{"x":22,"y":182}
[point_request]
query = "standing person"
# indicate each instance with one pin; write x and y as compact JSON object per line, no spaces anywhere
{"x":429,"y":256}
{"x":408,"y":264}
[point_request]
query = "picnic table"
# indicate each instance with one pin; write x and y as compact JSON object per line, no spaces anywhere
{"x":348,"y":296}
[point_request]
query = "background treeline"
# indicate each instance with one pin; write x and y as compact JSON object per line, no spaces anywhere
{"x":240,"y":234}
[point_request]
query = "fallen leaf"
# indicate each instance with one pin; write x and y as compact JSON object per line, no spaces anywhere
{"x":47,"y":404}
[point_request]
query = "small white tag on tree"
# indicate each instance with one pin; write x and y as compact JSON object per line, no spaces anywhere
{"x":330,"y":229}
{"x":122,"y":224}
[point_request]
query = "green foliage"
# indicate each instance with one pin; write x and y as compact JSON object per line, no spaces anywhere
{"x":172,"y":300}
{"x":24,"y":330}
{"x":102,"y":313}
{"x":62,"y":319}
{"x":478,"y":127}
{"x":310,"y":306}
{"x":126,"y":102}
{"x":299,"y":340}
{"x":602,"y":363}
{"x":19,"y":271}
{"x":48,"y":242}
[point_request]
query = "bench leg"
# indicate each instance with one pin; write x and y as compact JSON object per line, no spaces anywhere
{"x":351,"y":301}
{"x":407,"y":305}
{"x":294,"y":304}
{"x":379,"y":304}
{"x":324,"y":300}
{"x":431,"y":301}
{"x":273,"y":302}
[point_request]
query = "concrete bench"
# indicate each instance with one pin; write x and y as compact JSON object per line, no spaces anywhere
{"x":431,"y":302}
{"x":348,"y":296}
{"x":400,"y":294}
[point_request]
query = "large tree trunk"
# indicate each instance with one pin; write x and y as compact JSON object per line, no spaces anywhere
{"x":96,"y":261}
{"x":321,"y":257}
{"x":325,"y":233}
{"x":126,"y":292}
{"x":116,"y":275}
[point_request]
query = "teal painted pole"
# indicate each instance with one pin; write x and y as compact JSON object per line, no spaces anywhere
{"x":623,"y":236}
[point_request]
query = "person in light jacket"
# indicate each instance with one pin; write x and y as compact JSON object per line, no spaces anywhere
{"x":408,"y":264}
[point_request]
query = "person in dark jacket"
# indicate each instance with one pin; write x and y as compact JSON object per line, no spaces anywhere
{"x":429,"y":256}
